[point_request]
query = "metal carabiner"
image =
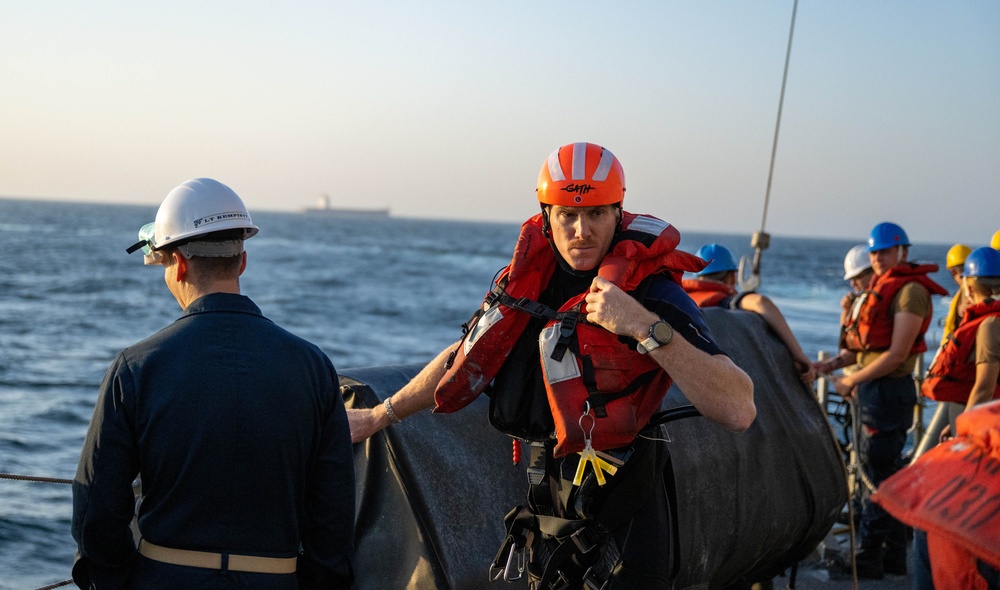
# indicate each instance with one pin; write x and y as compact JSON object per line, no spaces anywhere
{"x":587,"y":434}
{"x":521,"y":563}
{"x":497,"y":572}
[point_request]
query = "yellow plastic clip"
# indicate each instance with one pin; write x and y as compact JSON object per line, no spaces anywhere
{"x":589,"y":455}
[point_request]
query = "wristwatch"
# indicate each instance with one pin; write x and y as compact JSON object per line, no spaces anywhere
{"x":660,"y":334}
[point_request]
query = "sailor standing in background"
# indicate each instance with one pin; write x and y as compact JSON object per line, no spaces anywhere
{"x":965,"y":373}
{"x":967,"y":369}
{"x":947,"y":412}
{"x":954,"y":262}
{"x":858,"y":273}
{"x":236,"y":427}
{"x":887,"y":336}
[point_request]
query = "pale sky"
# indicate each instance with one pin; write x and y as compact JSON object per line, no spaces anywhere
{"x":448,"y":109}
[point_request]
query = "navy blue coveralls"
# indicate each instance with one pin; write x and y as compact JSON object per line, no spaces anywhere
{"x":239,"y":432}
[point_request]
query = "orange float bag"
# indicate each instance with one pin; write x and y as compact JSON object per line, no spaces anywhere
{"x":953,"y":490}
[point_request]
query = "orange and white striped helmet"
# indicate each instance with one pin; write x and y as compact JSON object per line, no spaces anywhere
{"x":581,"y":175}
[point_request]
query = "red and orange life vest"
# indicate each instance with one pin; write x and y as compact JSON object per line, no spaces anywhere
{"x":953,"y":372}
{"x":707,"y":293}
{"x":872,"y":330}
{"x":581,"y":362}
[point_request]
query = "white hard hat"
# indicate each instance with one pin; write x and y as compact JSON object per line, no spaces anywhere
{"x":198,"y":207}
{"x":856,"y":262}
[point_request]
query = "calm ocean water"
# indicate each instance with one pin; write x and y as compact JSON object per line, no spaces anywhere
{"x":369,"y":291}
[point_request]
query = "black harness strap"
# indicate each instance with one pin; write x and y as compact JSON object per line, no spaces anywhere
{"x":572,"y":538}
{"x":530,"y":307}
{"x":599,"y":400}
{"x":567,"y":319}
{"x":466,"y":328}
{"x":542,"y":497}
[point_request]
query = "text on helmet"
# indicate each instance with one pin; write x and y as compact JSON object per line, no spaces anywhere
{"x":208,"y":219}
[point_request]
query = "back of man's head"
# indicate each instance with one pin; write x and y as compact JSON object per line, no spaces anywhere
{"x":217,"y":256}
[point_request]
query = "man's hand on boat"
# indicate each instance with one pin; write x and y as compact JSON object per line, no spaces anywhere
{"x":413,"y":397}
{"x":364,"y":423}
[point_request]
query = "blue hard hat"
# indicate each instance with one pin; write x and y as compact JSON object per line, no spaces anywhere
{"x":982,"y":262}
{"x":886,"y":235}
{"x":719,"y":259}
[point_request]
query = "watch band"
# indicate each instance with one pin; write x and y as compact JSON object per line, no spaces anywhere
{"x":655,"y":340}
{"x":647,"y":345}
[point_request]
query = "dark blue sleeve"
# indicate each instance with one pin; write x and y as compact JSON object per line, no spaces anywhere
{"x":327,"y":532}
{"x":668,"y":300}
{"x":103,"y":500}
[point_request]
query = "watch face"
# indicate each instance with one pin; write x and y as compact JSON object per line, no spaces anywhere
{"x":662,"y":332}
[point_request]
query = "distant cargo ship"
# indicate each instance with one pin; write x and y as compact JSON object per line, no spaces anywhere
{"x":323,"y":207}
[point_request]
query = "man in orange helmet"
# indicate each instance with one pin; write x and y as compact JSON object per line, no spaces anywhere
{"x":577,"y":344}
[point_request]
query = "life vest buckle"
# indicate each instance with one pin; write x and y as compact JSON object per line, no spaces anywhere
{"x":567,"y":327}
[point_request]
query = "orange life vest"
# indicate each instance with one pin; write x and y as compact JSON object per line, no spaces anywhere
{"x":953,"y":372}
{"x":951,"y":492}
{"x":581,"y":363}
{"x":872,"y":330}
{"x":707,"y":293}
{"x":852,"y":316}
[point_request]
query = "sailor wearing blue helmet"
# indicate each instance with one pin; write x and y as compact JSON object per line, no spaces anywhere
{"x":719,"y":259}
{"x":715,"y":286}
{"x":888,"y":336}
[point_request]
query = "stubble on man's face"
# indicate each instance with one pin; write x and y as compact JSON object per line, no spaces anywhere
{"x":583,"y":235}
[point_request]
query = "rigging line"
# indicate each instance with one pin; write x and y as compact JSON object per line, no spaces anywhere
{"x":35,"y":478}
{"x":777,"y":125}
